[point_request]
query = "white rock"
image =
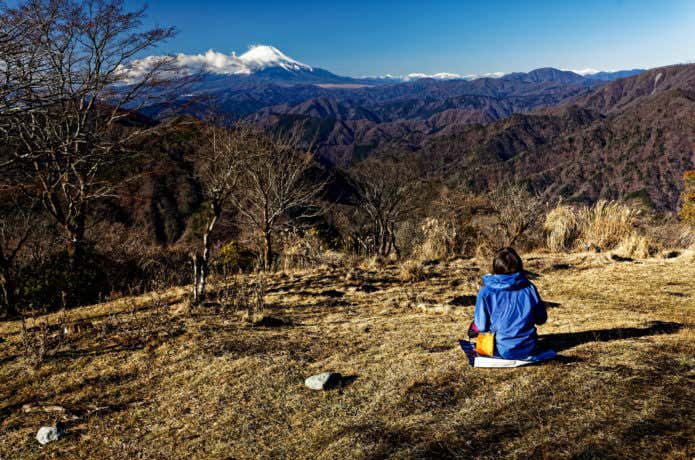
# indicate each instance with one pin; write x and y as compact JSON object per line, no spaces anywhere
{"x":48,"y":434}
{"x":323,"y":381}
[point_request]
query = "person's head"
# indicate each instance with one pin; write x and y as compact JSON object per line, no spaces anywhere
{"x":506,"y":262}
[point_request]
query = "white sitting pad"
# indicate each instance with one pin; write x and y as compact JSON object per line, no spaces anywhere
{"x":491,"y":361}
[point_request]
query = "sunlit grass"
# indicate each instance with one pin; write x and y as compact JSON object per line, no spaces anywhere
{"x":211,"y":386}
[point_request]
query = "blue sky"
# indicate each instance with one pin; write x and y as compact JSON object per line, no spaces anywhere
{"x":378,"y":37}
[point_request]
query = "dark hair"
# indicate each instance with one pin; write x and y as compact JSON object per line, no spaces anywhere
{"x":506,"y":261}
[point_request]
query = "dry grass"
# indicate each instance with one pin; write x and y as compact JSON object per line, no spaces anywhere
{"x":213,"y":386}
{"x":635,"y":245}
{"x":562,"y":228}
{"x":412,"y":270}
{"x":605,"y":226}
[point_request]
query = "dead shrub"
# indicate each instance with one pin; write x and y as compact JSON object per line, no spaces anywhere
{"x":438,"y":239}
{"x":412,"y":271}
{"x":302,"y":252}
{"x":232,"y":294}
{"x":673,"y":234}
{"x":374,"y":263}
{"x":255,"y":299}
{"x":517,"y":217}
{"x":40,"y":341}
{"x":409,"y":237}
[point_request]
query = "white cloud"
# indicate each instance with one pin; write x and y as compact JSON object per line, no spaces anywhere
{"x":258,"y":57}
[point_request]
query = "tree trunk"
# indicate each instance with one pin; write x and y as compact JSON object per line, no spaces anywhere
{"x":194,"y":260}
{"x":268,"y":251}
{"x":392,"y":243}
{"x":201,"y":264}
{"x":9,"y":309}
{"x":75,"y":248}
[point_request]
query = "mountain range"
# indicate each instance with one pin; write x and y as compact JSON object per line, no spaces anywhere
{"x":266,"y":79}
{"x":624,"y":134}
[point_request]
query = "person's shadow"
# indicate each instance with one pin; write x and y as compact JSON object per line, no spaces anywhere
{"x":566,"y":340}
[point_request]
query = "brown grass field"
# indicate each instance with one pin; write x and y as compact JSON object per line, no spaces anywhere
{"x":142,"y":378}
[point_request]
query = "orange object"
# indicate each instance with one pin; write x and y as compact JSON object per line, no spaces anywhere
{"x":485,"y":343}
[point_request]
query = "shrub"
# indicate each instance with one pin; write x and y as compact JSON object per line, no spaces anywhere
{"x":373,"y":263}
{"x":518,"y":213}
{"x":303,"y":252}
{"x":255,"y":299}
{"x":412,"y":271}
{"x":41,"y":342}
{"x":409,"y":237}
{"x":439,"y":239}
{"x":41,"y":285}
{"x":232,"y":259}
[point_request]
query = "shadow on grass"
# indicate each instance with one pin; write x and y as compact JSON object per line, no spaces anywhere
{"x":463,"y":301}
{"x":567,"y":340}
{"x":347,"y":380}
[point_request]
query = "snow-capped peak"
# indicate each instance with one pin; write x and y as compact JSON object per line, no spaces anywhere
{"x":260,"y":57}
{"x":583,"y":72}
{"x":439,"y":76}
{"x":436,"y":76}
{"x":257,"y":58}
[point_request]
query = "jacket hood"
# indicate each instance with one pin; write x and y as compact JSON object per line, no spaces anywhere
{"x":512,"y":281}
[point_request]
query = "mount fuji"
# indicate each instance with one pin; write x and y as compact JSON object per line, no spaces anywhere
{"x":261,"y":63}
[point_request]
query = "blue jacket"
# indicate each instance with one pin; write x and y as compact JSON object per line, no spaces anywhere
{"x":510,"y":306}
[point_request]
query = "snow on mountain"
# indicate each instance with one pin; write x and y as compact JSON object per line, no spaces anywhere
{"x":260,"y":57}
{"x":584,"y":72}
{"x":436,"y":76}
{"x":441,"y":76}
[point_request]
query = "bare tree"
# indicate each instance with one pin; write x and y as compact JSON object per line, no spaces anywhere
{"x":386,"y":188}
{"x":219,"y":165}
{"x":275,"y":186}
{"x":73,"y":92}
{"x":516,"y":210}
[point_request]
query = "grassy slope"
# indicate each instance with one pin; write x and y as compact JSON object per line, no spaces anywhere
{"x":208,"y":386}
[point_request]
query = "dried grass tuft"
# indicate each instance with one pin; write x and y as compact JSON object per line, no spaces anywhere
{"x":562,"y":227}
{"x":638,"y":246}
{"x":412,"y":271}
{"x":606,"y":224}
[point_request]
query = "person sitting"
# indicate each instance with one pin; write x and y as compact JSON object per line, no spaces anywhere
{"x":509,"y":305}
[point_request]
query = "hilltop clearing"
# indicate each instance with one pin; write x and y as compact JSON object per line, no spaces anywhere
{"x":142,"y":378}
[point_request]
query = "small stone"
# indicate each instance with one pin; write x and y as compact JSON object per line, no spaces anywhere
{"x":48,"y":434}
{"x":323,"y":381}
